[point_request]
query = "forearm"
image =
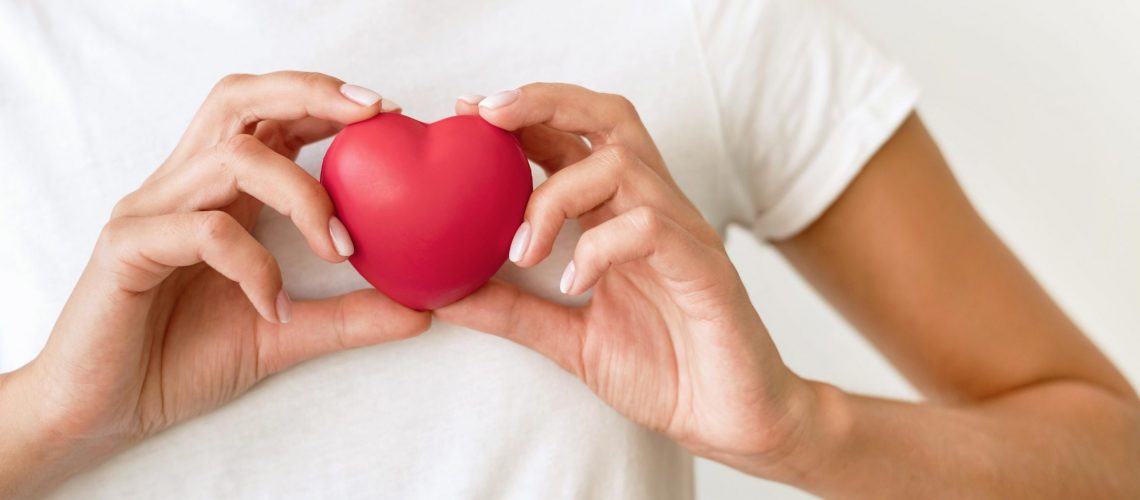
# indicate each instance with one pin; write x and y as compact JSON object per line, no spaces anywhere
{"x":19,"y":457}
{"x":34,"y":456}
{"x":1050,"y":440}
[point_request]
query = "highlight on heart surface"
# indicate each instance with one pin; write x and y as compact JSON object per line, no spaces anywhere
{"x":431,"y":208}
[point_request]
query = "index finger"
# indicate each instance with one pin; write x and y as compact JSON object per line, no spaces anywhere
{"x":602,"y":118}
{"x":239,"y":102}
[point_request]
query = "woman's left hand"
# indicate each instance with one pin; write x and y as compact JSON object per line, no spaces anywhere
{"x":669,"y":337}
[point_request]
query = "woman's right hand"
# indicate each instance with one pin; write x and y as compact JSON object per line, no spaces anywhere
{"x":180,"y":309}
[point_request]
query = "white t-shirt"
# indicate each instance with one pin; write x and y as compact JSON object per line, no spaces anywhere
{"x":763,"y":109}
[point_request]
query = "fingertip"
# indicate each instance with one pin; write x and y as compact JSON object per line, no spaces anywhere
{"x":496,"y":109}
{"x":421,"y":322}
{"x":361,"y":103}
{"x":499,"y":100}
{"x":519,"y":243}
{"x":284,"y":306}
{"x":362,"y":96}
{"x":472,"y":99}
{"x":390,"y":106}
{"x":341,"y":240}
{"x":267,"y":308}
{"x":468,"y":104}
{"x":566,"y":283}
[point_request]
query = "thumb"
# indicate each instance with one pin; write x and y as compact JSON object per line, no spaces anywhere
{"x":555,"y":331}
{"x":319,"y":327}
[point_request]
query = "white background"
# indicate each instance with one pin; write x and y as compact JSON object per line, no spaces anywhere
{"x":1036,"y":105}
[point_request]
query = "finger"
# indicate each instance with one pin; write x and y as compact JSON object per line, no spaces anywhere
{"x":468,"y":104}
{"x":215,"y":178}
{"x":601,"y":118}
{"x":287,"y":137}
{"x":641,"y":234}
{"x":138,"y":253}
{"x":238,"y":102}
{"x":320,"y":327}
{"x":502,"y":309}
{"x":551,"y":149}
{"x":606,"y":183}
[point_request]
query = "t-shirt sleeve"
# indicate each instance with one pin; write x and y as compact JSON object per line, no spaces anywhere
{"x":804,"y":102}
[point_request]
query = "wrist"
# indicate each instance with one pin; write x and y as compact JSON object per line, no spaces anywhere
{"x":35,"y":455}
{"x":819,"y":423}
{"x":24,"y":441}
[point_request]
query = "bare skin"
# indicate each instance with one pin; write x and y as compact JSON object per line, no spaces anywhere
{"x":180,"y":310}
{"x":1021,"y":404}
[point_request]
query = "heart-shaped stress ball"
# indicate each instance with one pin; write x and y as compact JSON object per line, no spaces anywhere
{"x":431,"y":208}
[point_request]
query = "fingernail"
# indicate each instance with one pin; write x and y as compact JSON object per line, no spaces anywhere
{"x":472,"y":98}
{"x":341,"y":240}
{"x":519,"y":243}
{"x":359,"y":95}
{"x":567,"y":278}
{"x":284,"y":307}
{"x":499,"y":99}
{"x":388,"y":105}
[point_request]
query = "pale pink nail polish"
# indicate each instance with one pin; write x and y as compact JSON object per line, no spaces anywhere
{"x":359,"y":95}
{"x":341,"y":240}
{"x":520,"y":242}
{"x":567,"y":278}
{"x":499,"y":99}
{"x":284,"y":307}
{"x":472,"y":98}
{"x":388,"y":105}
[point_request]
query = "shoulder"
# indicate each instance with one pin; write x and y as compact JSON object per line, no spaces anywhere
{"x":804,"y":99}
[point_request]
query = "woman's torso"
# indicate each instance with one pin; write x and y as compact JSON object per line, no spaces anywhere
{"x":101,"y":95}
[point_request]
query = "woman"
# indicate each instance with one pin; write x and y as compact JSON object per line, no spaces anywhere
{"x":771,"y":114}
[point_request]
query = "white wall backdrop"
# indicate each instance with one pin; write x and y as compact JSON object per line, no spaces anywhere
{"x":1036,"y":103}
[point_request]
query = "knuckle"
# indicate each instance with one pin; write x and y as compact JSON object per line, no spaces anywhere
{"x":621,"y":105}
{"x":226,"y":85}
{"x":227,"y":92}
{"x":217,"y":226}
{"x":125,"y":205}
{"x":312,"y":81}
{"x":647,"y":221}
{"x":621,"y":157}
{"x":239,"y":147}
{"x":113,"y":234}
{"x":538,"y":87}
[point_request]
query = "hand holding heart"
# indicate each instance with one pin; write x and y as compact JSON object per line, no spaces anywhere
{"x":180,"y":309}
{"x":669,"y":337}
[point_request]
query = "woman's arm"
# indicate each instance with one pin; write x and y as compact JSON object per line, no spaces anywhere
{"x":180,"y":310}
{"x":1021,"y":403}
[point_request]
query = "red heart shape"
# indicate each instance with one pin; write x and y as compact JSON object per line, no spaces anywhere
{"x":431,"y":209}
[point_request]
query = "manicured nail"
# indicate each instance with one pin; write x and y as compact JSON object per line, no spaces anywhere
{"x":341,"y":240}
{"x":519,"y":243}
{"x":472,"y":98}
{"x":388,"y":105}
{"x":499,"y":99}
{"x":284,"y":307}
{"x":567,"y":278}
{"x":359,"y":95}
